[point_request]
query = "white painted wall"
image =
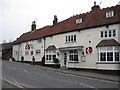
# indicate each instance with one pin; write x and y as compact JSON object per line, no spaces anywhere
{"x":83,"y":38}
{"x":36,"y":45}
{"x":15,"y":52}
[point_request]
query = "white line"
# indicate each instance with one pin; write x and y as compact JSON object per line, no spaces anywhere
{"x":15,"y":84}
{"x":92,"y":78}
{"x":25,"y":71}
{"x":67,"y":81}
{"x":14,"y":68}
{"x":102,"y":80}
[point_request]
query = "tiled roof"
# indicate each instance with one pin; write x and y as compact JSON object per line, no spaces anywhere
{"x":52,"y":47}
{"x":111,"y":42}
{"x":89,"y":20}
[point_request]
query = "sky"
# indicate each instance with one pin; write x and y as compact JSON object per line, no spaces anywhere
{"x":16,"y":16}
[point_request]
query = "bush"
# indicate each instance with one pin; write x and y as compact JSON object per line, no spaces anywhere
{"x":56,"y":60}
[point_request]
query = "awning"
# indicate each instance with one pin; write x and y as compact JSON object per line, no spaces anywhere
{"x":109,"y":42}
{"x":71,"y":48}
{"x":52,"y":47}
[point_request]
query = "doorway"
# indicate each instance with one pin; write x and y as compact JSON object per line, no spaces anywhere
{"x":65,"y":58}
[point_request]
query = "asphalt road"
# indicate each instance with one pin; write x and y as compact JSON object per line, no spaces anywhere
{"x":30,"y":76}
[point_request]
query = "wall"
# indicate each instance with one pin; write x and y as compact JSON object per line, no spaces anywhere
{"x":86,"y":38}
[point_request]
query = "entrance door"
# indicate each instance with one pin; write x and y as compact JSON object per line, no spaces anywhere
{"x":65,"y":58}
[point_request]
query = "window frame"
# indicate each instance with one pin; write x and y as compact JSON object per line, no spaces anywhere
{"x":50,"y":55}
{"x":72,"y":55}
{"x":78,"y":20}
{"x":27,"y":52}
{"x":107,"y":50}
{"x":109,"y":14}
{"x":108,"y":33}
{"x":38,"y":51}
{"x":70,"y":38}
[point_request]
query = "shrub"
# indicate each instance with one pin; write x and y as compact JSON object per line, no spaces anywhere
{"x":56,"y":60}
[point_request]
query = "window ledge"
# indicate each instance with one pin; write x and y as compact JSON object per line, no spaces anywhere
{"x":107,"y":62}
{"x":73,"y":62}
{"x":70,"y":42}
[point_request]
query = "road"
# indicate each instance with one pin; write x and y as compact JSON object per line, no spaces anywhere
{"x":30,"y":76}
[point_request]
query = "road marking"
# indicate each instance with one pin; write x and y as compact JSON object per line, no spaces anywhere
{"x":108,"y":81}
{"x":14,"y":80}
{"x":15,"y":84}
{"x":75,"y":75}
{"x":67,"y":81}
{"x":102,"y":80}
{"x":92,"y":78}
{"x":89,"y":86}
{"x":13,"y":68}
{"x":25,"y":71}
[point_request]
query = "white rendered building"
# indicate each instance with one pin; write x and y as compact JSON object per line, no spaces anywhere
{"x":90,"y":41}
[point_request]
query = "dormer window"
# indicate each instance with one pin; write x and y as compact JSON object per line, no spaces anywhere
{"x":109,"y":14}
{"x":78,"y":20}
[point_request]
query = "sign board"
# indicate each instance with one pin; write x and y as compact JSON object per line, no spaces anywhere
{"x":89,"y":50}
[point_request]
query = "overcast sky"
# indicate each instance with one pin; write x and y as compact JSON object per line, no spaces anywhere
{"x":16,"y":16}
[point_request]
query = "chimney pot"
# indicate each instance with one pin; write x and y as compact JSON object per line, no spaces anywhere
{"x":95,"y":7}
{"x":94,"y":3}
{"x":55,"y":21}
{"x":33,"y":26}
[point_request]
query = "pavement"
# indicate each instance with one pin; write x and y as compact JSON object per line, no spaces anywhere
{"x":84,"y":73}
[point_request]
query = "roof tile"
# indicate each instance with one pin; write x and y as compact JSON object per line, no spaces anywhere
{"x":90,"y":20}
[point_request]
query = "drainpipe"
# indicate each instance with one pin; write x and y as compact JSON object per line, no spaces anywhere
{"x":44,"y":45}
{"x":18,"y":52}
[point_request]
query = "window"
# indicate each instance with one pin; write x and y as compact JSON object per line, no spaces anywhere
{"x":103,"y":56}
{"x":79,"y":20}
{"x":31,"y":52}
{"x":38,"y":51}
{"x":109,"y":56}
{"x":101,"y":33}
{"x":73,"y":56}
{"x":54,"y":56}
{"x":50,"y":55}
{"x":114,"y":33}
{"x":74,"y":37}
{"x":70,"y":38}
{"x":117,"y":56}
{"x":110,"y":53}
{"x":47,"y":57}
{"x":105,"y":33}
{"x":108,"y":33}
{"x":109,"y":14}
{"x":26,"y":52}
{"x":66,"y":39}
